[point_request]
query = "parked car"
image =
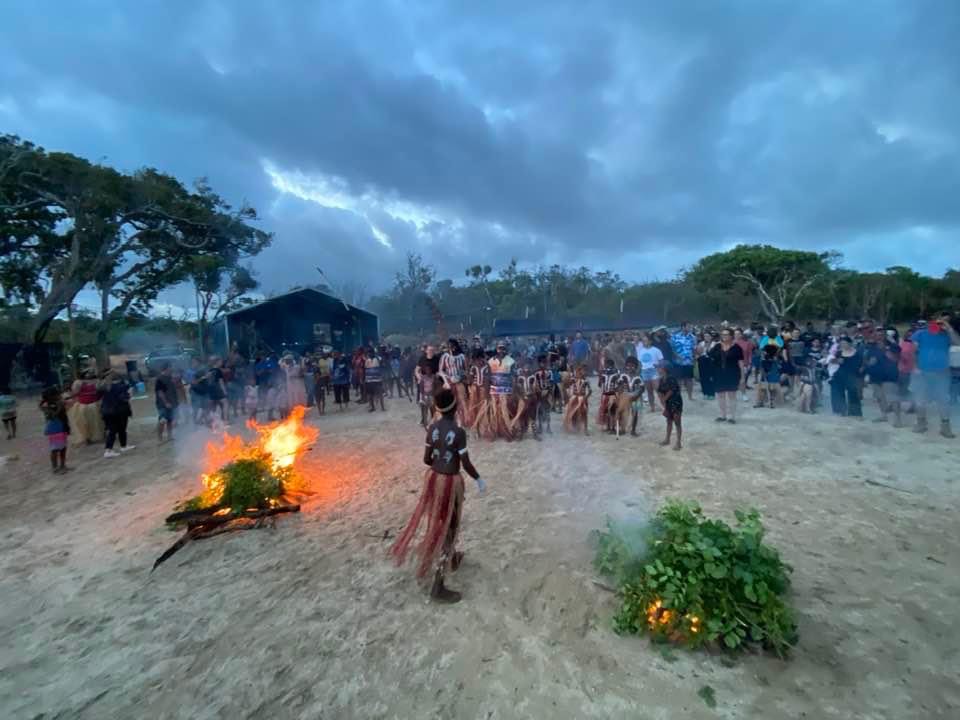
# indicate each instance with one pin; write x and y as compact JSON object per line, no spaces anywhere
{"x":178,"y":357}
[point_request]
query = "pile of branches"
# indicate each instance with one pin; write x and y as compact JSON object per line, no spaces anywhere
{"x":250,"y":495}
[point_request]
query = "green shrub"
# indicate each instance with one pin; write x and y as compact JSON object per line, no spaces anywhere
{"x":692,"y":580}
{"x":249,"y":483}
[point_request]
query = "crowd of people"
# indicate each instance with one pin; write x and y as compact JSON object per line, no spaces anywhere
{"x":512,"y":390}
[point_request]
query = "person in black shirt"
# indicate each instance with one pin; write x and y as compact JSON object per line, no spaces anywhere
{"x":441,"y":501}
{"x":881,"y":361}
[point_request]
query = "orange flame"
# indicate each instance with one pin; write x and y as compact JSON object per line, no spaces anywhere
{"x":283,"y":441}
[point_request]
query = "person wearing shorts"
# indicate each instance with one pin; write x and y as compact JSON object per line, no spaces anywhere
{"x":683,"y":344}
{"x":165,"y":392}
{"x":650,"y":358}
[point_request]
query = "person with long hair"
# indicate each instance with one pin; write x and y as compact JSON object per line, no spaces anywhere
{"x":440,"y":502}
{"x":727,"y":360}
{"x":847,"y":366}
{"x":705,"y":363}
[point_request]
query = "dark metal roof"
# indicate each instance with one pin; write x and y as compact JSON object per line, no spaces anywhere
{"x":544,"y":326}
{"x":313,"y":294}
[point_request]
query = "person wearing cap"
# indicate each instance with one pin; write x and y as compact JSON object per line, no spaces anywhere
{"x":441,"y":501}
{"x":932,"y":379}
{"x":661,"y":341}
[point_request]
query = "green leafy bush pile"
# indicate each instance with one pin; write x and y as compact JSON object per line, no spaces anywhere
{"x":692,"y":580}
{"x":248,"y":482}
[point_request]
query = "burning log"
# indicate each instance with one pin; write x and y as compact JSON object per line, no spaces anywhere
{"x":245,"y":482}
{"x":204,"y":527}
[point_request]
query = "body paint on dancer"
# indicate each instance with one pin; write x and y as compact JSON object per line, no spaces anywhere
{"x":441,"y":501}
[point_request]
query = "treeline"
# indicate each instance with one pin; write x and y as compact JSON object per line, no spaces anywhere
{"x":747,"y":283}
{"x":67,"y":224}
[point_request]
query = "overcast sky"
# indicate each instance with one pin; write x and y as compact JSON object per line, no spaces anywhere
{"x":631,"y":136}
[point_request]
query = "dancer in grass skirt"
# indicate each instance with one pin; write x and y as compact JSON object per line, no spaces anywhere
{"x":441,"y":501}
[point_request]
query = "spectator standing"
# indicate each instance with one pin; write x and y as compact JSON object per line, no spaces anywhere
{"x":56,"y":428}
{"x":705,"y":365}
{"x":746,"y":346}
{"x":86,"y":422}
{"x":115,"y":406}
{"x":662,"y":342}
{"x":340,"y":378}
{"x":881,"y":360}
{"x":727,"y":362}
{"x":165,"y":392}
{"x":650,"y":358}
{"x":845,"y":381}
{"x":580,"y":351}
{"x":8,"y":412}
{"x":932,"y":379}
{"x":684,"y":344}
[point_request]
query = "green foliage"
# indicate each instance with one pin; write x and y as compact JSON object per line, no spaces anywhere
{"x":696,"y":580}
{"x":708,"y":696}
{"x":67,"y":223}
{"x":250,"y":483}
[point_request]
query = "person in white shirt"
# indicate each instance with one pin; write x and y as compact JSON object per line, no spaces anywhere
{"x":650,"y":358}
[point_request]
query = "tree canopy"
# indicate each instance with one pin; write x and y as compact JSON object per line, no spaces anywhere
{"x":67,"y":223}
{"x":745,"y":284}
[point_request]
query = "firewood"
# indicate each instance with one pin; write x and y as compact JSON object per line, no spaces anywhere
{"x":204,"y":527}
{"x":188,"y":514}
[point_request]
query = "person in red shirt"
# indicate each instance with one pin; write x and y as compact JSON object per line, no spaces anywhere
{"x":906,"y":366}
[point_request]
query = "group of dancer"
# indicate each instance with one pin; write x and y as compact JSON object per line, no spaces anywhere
{"x":497,"y":397}
{"x":500,"y":397}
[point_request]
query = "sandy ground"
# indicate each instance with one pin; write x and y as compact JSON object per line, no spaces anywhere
{"x":310,"y":620}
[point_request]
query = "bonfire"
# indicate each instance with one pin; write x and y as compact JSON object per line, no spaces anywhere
{"x":245,"y":483}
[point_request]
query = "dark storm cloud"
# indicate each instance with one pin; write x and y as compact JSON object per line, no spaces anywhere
{"x":607,"y":133}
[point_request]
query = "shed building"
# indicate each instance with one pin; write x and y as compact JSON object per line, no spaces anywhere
{"x":298,"y":321}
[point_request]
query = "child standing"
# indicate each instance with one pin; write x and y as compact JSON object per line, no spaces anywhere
{"x":251,"y":398}
{"x":808,"y":385}
{"x":670,"y":397}
{"x":56,"y":427}
{"x":768,"y":385}
{"x":441,"y":501}
{"x":8,"y":412}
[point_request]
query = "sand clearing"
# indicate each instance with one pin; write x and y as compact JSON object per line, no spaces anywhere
{"x":310,"y":620}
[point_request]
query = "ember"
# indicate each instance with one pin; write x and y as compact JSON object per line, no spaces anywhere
{"x":244,"y":483}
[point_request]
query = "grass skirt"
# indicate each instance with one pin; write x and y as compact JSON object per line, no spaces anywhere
{"x":575,"y":414}
{"x":441,"y":505}
{"x":86,"y":423}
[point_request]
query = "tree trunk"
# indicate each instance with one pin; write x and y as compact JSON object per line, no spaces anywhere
{"x":61,"y":294}
{"x":103,"y":329}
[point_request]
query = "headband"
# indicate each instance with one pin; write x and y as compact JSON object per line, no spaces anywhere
{"x":451,"y":406}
